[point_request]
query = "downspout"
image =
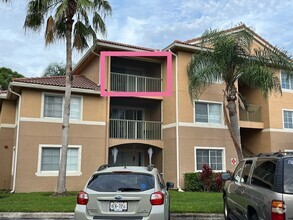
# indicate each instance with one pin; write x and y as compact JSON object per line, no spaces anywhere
{"x":177,"y":124}
{"x":16,"y":142}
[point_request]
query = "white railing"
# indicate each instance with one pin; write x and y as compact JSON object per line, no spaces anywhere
{"x":132,"y":83}
{"x":132,"y":129}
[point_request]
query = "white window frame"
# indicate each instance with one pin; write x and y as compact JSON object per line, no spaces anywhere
{"x":55,"y":173}
{"x":284,"y":89}
{"x":211,"y":148}
{"x":60,"y":95}
{"x":283,"y":118}
{"x":207,"y":124}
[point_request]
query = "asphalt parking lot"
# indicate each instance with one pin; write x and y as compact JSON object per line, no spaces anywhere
{"x":54,"y":216}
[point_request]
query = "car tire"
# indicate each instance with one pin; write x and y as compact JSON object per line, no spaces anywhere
{"x":254,"y":217}
{"x":226,"y":209}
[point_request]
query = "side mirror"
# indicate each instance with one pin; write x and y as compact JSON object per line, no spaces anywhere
{"x":226,"y":176}
{"x":170,"y":185}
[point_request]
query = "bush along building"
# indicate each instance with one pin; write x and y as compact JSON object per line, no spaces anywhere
{"x":175,"y":133}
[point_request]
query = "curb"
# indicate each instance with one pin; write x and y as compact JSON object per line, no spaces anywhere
{"x":70,"y":215}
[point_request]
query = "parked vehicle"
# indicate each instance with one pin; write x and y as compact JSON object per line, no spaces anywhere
{"x":260,"y":188}
{"x":129,"y":192}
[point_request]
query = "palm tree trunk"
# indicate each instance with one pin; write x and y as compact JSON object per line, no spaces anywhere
{"x":61,"y":183}
{"x":233,"y":126}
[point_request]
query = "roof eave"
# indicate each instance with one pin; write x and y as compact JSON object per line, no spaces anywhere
{"x":55,"y":88}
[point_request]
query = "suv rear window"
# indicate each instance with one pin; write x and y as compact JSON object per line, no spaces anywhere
{"x":288,"y":175}
{"x":113,"y":182}
{"x":264,"y":173}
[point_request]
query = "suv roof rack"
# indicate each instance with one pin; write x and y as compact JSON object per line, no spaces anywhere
{"x":102,"y":167}
{"x":274,"y":154}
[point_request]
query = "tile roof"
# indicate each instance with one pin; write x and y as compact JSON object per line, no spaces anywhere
{"x":80,"y":82}
{"x":126,"y":45}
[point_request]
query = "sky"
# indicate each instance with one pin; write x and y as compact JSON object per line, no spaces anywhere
{"x":148,"y":23}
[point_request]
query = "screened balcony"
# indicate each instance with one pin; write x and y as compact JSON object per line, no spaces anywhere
{"x":133,"y":83}
{"x":135,"y":129}
{"x":135,"y":75}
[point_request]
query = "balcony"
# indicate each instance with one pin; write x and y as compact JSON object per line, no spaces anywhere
{"x":133,"y":83}
{"x":135,"y":129}
{"x":251,"y":118}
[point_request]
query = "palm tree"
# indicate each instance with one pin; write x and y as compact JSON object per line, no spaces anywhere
{"x":67,"y":20}
{"x":230,"y":58}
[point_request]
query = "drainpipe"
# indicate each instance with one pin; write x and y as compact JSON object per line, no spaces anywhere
{"x":16,"y":142}
{"x":177,"y":124}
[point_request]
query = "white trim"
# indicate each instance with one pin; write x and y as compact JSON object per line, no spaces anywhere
{"x":195,"y":125}
{"x":53,"y":120}
{"x":211,"y":148}
{"x":288,"y":150}
{"x":283,"y":122}
{"x":277,"y":130}
{"x":8,"y":125}
{"x":169,"y":126}
{"x":55,"y":173}
{"x":201,"y":124}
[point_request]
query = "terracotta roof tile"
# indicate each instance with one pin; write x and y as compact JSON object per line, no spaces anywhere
{"x":127,"y":45}
{"x":80,"y":82}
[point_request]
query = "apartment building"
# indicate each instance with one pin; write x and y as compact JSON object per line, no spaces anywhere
{"x":173,"y":132}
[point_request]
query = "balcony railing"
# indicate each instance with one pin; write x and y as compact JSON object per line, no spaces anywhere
{"x":132,"y":83}
{"x":253,"y":114}
{"x":132,"y":129}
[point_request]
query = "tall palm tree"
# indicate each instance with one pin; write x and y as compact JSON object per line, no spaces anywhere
{"x":67,"y":20}
{"x":230,"y":58}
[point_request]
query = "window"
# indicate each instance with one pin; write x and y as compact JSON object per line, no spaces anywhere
{"x":49,"y":158}
{"x":288,"y":119}
{"x":53,"y":106}
{"x":208,"y":112}
{"x":237,"y":173}
{"x":264,"y":173}
{"x":287,"y":81}
{"x":213,"y":157}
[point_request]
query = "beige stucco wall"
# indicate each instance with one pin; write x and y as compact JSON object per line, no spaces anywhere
{"x":91,"y":70}
{"x":31,"y":102}
{"x":8,"y":112}
{"x":32,"y":134}
{"x":7,"y":141}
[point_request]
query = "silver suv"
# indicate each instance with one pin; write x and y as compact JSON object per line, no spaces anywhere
{"x":129,"y":192}
{"x":260,"y":188}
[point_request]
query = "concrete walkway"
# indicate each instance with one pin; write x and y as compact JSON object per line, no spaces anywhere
{"x":62,"y":215}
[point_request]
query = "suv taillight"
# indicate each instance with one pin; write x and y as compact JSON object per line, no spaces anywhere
{"x":157,"y":198}
{"x":278,"y":210}
{"x":82,"y":198}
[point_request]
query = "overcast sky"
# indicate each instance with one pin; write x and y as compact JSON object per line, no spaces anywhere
{"x":148,"y":23}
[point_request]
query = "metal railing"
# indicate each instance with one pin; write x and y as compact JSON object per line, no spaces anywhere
{"x":253,"y":113}
{"x":132,"y":83}
{"x":133,"y":129}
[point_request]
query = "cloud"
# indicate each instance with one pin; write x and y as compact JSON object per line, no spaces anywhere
{"x":152,"y":23}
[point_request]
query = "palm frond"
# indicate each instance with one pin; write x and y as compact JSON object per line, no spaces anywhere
{"x":81,"y":34}
{"x":202,"y":71}
{"x":50,"y":29}
{"x":103,"y":6}
{"x":35,"y":15}
{"x":99,"y":24}
{"x":261,"y":77}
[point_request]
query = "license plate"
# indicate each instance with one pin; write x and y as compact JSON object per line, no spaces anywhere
{"x":118,"y":206}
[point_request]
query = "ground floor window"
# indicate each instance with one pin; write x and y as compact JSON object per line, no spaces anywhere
{"x":49,"y":158}
{"x":214,"y":157}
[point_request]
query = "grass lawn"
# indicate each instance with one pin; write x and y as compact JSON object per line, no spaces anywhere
{"x":181,"y":202}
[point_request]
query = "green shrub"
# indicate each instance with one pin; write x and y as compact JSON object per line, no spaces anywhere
{"x":207,"y":180}
{"x":192,"y":182}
